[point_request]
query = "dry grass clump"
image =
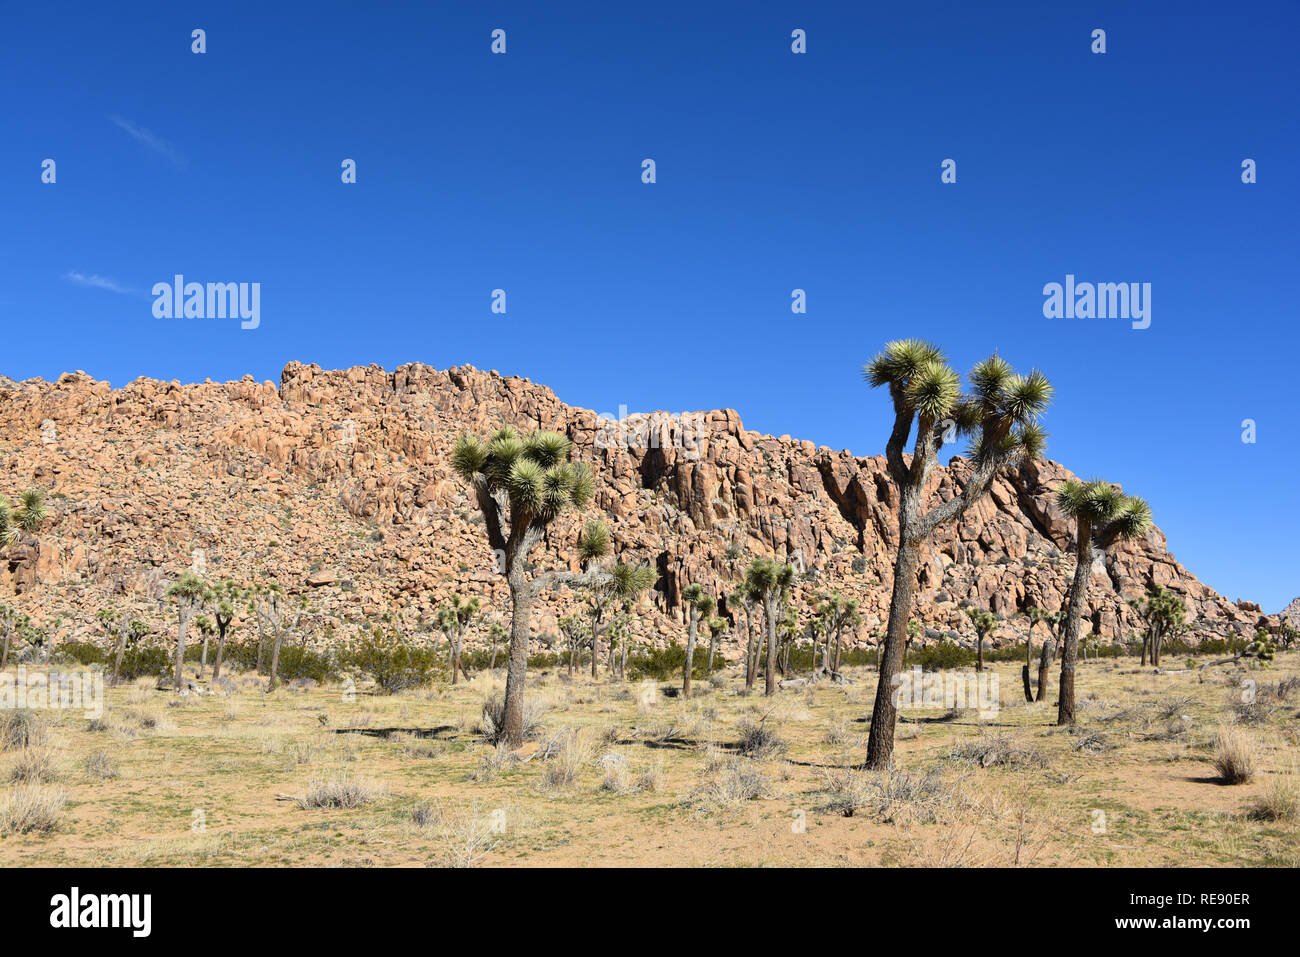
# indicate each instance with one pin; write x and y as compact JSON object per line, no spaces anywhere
{"x":1090,"y":742}
{"x":759,"y":741}
{"x":30,"y":807}
{"x":466,"y":835}
{"x":894,"y":796}
{"x":339,"y":791}
{"x":1280,"y":800}
{"x":728,"y":786}
{"x":21,"y":728}
{"x":618,"y":778}
{"x":34,"y":766}
{"x":101,"y":765}
{"x":493,"y":713}
{"x":1174,"y":706}
{"x":1234,"y":758}
{"x":566,"y":754}
{"x":1250,"y":712}
{"x":998,"y":751}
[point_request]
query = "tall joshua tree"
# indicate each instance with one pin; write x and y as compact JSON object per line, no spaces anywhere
{"x":190,"y":593}
{"x":522,"y":484}
{"x":1103,"y":515}
{"x":698,"y":605}
{"x":999,"y":415}
{"x":12,"y":621}
{"x":717,"y":628}
{"x":593,"y":545}
{"x":1054,"y":620}
{"x":207,"y":629}
{"x":627,"y":584}
{"x":744,"y":599}
{"x":837,"y":613}
{"x":227,"y":596}
{"x":453,"y":619}
{"x":769,"y":582}
{"x":984,"y":621}
{"x":1164,"y":613}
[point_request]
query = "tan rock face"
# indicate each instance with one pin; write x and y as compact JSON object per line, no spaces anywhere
{"x":338,"y":483}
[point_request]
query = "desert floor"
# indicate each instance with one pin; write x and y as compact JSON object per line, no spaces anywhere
{"x":622,"y":774}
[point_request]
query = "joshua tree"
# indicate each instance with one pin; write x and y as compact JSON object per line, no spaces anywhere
{"x":837,"y":613}
{"x":1103,"y":515}
{"x":815,"y":630}
{"x":717,"y":628}
{"x":627,"y":583}
{"x":12,"y":622}
{"x":769,"y":582}
{"x":1000,"y":415}
{"x":1164,"y":614}
{"x":593,"y":545}
{"x":207,"y":629}
{"x":698,"y":605}
{"x":270,"y":604}
{"x":744,"y":599}
{"x":574,"y":629}
{"x":27,"y":517}
{"x":453,"y":619}
{"x":788,"y":629}
{"x":227,"y":596}
{"x":1055,"y":621}
{"x":190,"y":593}
{"x":496,"y":631}
{"x":129,"y":631}
{"x":521,"y":485}
{"x":985,"y":622}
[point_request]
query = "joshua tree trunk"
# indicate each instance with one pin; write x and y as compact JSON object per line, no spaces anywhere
{"x":771,"y":623}
{"x":4,"y":655}
{"x":979,"y":653}
{"x":1074,"y":614}
{"x":690,"y":653}
{"x":221,"y":652}
{"x":203,"y":658}
{"x":1024,"y":671}
{"x":275,"y":661}
{"x":261,"y":645}
{"x":1044,"y":663}
{"x":713,"y":648}
{"x":184,"y":618}
{"x":521,"y":603}
{"x":751,"y":652}
{"x":880,"y":742}
{"x":121,"y":652}
{"x":595,"y":644}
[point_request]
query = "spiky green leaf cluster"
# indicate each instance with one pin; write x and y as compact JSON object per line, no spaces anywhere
{"x":189,"y":587}
{"x":697,"y":598}
{"x":593,"y":541}
{"x":533,"y":471}
{"x":765,"y":575}
{"x":629,"y":581}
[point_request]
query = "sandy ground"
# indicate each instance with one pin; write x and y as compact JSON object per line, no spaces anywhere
{"x":613,"y":780}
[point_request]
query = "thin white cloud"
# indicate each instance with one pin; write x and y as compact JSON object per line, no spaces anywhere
{"x":98,"y":282}
{"x":149,"y":139}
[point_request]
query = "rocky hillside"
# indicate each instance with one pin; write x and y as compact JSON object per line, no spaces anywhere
{"x":338,"y":485}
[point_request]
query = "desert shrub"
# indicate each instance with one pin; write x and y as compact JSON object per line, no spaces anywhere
{"x":466,"y":835}
{"x":82,"y":652}
{"x":567,"y":752}
{"x":998,"y":751}
{"x":493,"y":713}
{"x":651,"y":777}
{"x":145,"y":661}
{"x":727,"y":785}
{"x":34,"y":766}
{"x":759,"y":741}
{"x":30,"y":807}
{"x":101,"y":765}
{"x":663,"y":664}
{"x":942,"y":656}
{"x":1234,"y":757}
{"x":1279,"y":801}
{"x":21,"y":728}
{"x":339,"y":791}
{"x":394,"y":664}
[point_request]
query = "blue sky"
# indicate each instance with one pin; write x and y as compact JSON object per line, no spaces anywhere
{"x":775,"y":171}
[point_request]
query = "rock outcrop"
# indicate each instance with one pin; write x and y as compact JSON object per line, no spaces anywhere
{"x":338,"y":484}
